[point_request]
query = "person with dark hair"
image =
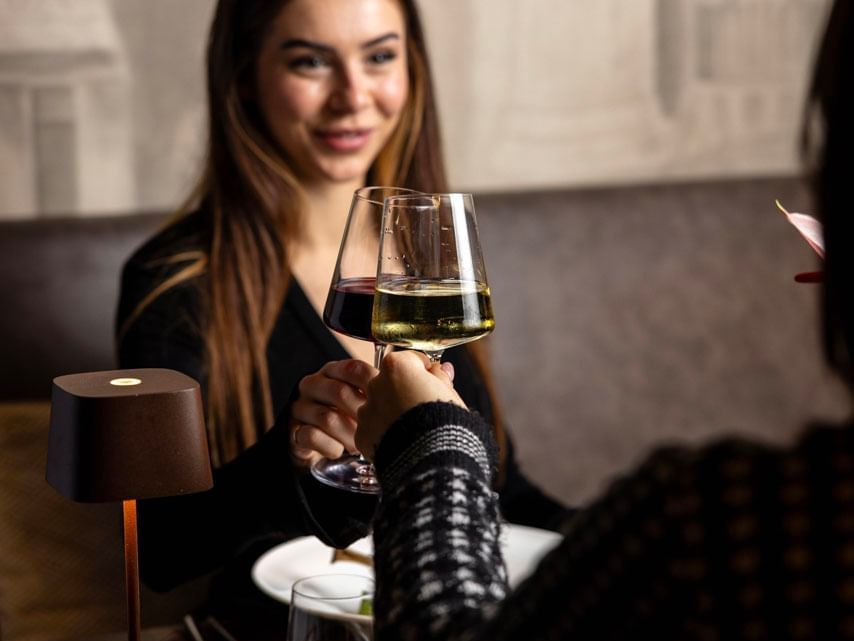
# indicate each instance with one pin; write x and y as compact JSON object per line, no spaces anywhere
{"x":734,"y":540}
{"x":308,"y":100}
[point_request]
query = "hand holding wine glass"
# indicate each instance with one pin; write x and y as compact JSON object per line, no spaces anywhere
{"x":323,"y":415}
{"x":431,"y":287}
{"x":407,"y":379}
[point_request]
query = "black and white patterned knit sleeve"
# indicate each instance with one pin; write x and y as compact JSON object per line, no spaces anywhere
{"x":436,"y":535}
{"x":439,"y":568}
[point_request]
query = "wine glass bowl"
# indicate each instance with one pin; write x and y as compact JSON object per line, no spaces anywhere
{"x":331,"y":607}
{"x":351,"y":292}
{"x":349,"y":305}
{"x":432,"y":291}
{"x":432,"y":315}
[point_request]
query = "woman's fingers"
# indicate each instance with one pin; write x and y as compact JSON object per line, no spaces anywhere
{"x":309,"y":443}
{"x":351,"y":371}
{"x":323,"y":418}
{"x":329,"y":420}
{"x":339,"y":384}
{"x":444,"y":372}
{"x":332,"y":393}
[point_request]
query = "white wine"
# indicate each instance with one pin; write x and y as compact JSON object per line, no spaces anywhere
{"x":431,"y":315}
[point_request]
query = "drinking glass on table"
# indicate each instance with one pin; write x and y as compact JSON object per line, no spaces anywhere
{"x":331,"y":607}
{"x":348,"y":311}
{"x":431,"y":287}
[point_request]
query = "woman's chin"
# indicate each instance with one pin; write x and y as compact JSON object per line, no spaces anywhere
{"x":338,"y":173}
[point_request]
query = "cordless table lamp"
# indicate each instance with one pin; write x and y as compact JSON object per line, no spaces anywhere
{"x":126,"y":435}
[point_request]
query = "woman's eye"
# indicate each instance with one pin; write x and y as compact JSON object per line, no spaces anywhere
{"x":307,"y":63}
{"x":380,"y":57}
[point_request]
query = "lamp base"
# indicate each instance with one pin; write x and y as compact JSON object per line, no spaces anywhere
{"x":132,"y":570}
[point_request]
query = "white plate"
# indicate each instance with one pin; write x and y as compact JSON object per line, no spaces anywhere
{"x":277,"y":569}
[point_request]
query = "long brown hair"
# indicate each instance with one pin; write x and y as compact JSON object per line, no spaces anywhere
{"x":253,"y":204}
{"x":829,"y":141}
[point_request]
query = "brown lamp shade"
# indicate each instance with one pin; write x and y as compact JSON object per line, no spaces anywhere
{"x":127,"y":434}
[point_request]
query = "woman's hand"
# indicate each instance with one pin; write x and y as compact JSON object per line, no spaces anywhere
{"x":323,"y":418}
{"x":406,"y":379}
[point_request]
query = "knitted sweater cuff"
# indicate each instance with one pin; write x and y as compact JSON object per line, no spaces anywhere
{"x":441,"y":431}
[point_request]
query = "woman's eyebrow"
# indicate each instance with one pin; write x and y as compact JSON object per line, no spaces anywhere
{"x":294,"y":43}
{"x":307,"y":44}
{"x":375,"y":41}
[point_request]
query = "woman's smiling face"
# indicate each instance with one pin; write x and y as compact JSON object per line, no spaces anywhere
{"x":331,"y":81}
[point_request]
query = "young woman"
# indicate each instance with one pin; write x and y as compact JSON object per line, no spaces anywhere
{"x":308,"y":100}
{"x":737,"y":540}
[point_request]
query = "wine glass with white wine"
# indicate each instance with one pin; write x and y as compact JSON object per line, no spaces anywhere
{"x":431,"y":287}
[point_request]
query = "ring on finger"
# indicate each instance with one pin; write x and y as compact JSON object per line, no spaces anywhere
{"x":295,"y":434}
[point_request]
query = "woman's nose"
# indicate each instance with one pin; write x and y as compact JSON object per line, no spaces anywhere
{"x":351,"y":92}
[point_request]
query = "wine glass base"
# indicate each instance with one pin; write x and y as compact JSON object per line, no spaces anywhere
{"x":350,"y":472}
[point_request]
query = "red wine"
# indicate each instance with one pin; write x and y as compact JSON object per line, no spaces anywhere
{"x":348,"y":307}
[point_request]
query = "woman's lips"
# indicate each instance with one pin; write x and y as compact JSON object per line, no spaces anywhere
{"x":344,"y":140}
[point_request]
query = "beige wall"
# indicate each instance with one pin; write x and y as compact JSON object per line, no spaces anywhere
{"x":549,"y":92}
{"x":65,"y":116}
{"x":533,"y":93}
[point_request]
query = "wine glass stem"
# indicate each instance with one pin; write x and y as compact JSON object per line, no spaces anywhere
{"x":435,"y":356}
{"x":379,"y":353}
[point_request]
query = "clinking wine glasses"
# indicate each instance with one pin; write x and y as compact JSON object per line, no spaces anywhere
{"x":431,"y":287}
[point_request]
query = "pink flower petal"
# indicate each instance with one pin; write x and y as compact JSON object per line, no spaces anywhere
{"x":809,"y":227}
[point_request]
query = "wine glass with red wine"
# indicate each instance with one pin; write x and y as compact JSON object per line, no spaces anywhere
{"x":348,"y":310}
